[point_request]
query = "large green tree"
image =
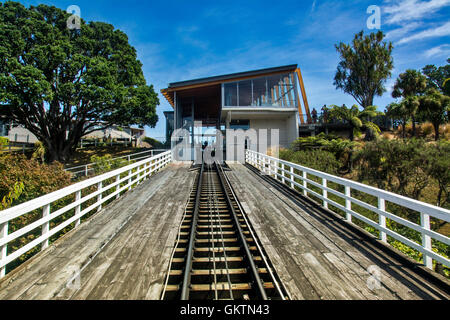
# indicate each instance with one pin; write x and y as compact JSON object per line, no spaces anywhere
{"x":410,"y":85}
{"x":398,"y":111}
{"x":62,"y":83}
{"x":435,"y":107}
{"x":365,"y":66}
{"x":437,"y":76}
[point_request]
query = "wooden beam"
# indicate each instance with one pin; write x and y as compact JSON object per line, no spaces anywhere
{"x":300,"y":112}
{"x":305,"y":100}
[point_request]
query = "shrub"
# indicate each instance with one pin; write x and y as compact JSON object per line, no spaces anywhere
{"x":395,"y":165}
{"x":102,"y":163}
{"x":315,"y":159}
{"x":38,"y":179}
{"x":3,"y":142}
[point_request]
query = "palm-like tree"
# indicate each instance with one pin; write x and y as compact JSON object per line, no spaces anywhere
{"x":356,"y":118}
{"x":409,"y":86}
{"x":398,"y":111}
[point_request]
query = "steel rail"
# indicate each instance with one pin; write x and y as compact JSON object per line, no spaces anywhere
{"x":190,"y":254}
{"x":248,"y":254}
{"x":263,"y":256}
{"x":223,"y":241}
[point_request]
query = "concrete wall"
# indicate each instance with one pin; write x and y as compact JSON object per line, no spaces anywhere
{"x":20,"y":134}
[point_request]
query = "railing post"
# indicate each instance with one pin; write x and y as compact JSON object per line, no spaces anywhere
{"x":78,"y":207}
{"x":292,"y":178}
{"x":86,"y":170}
{"x":382,"y":219}
{"x":426,"y":239}
{"x":100,"y":196}
{"x":305,"y":184}
{"x":275,"y":171}
{"x":282,"y":173}
{"x":4,"y":248}
{"x":348,"y":203}
{"x":118,"y":186}
{"x":46,"y":226}
{"x":130,"y":172}
{"x":325,"y":193}
{"x":138,"y":176}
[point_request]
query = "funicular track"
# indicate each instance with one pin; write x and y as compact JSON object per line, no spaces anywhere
{"x":217,"y":255}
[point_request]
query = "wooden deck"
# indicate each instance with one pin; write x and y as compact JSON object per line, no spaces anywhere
{"x":319,"y":256}
{"x":122,"y":252}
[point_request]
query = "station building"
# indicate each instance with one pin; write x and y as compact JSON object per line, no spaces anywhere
{"x":273,"y":98}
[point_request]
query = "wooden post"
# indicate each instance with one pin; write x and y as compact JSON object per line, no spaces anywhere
{"x":86,"y":170}
{"x":46,"y":226}
{"x":78,"y":207}
{"x":100,"y":196}
{"x":426,"y":240}
{"x":292,"y":178}
{"x":348,"y":204}
{"x":282,"y":173}
{"x":382,"y":219}
{"x":130,"y":172}
{"x":4,"y":248}
{"x":325,"y":192}
{"x":305,"y":184}
{"x":118,"y":186}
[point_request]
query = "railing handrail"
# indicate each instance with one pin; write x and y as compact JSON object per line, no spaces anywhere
{"x":435,"y":211}
{"x":121,"y":157}
{"x":274,"y":166}
{"x":23,"y":208}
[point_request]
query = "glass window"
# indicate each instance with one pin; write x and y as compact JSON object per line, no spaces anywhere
{"x":245,"y":93}
{"x":231,"y":94}
{"x":260,"y":97}
{"x":276,"y":90}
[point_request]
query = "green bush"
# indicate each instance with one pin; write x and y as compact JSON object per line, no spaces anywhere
{"x":321,"y":160}
{"x":3,"y":142}
{"x":102,"y":163}
{"x":400,"y":166}
{"x":24,"y":180}
{"x":38,"y":179}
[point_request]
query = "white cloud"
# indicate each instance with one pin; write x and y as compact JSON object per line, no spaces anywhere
{"x":441,"y":31}
{"x":400,"y":32}
{"x":442,"y":50}
{"x":408,"y":10}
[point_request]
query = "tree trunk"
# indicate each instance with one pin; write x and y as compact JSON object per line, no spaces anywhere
{"x":436,"y":131}
{"x":413,"y":126}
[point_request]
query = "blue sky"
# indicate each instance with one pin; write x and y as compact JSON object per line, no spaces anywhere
{"x":182,"y":40}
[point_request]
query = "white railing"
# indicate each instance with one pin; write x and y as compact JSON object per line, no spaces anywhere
{"x":84,"y":170}
{"x":285,"y":172}
{"x":122,"y":179}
